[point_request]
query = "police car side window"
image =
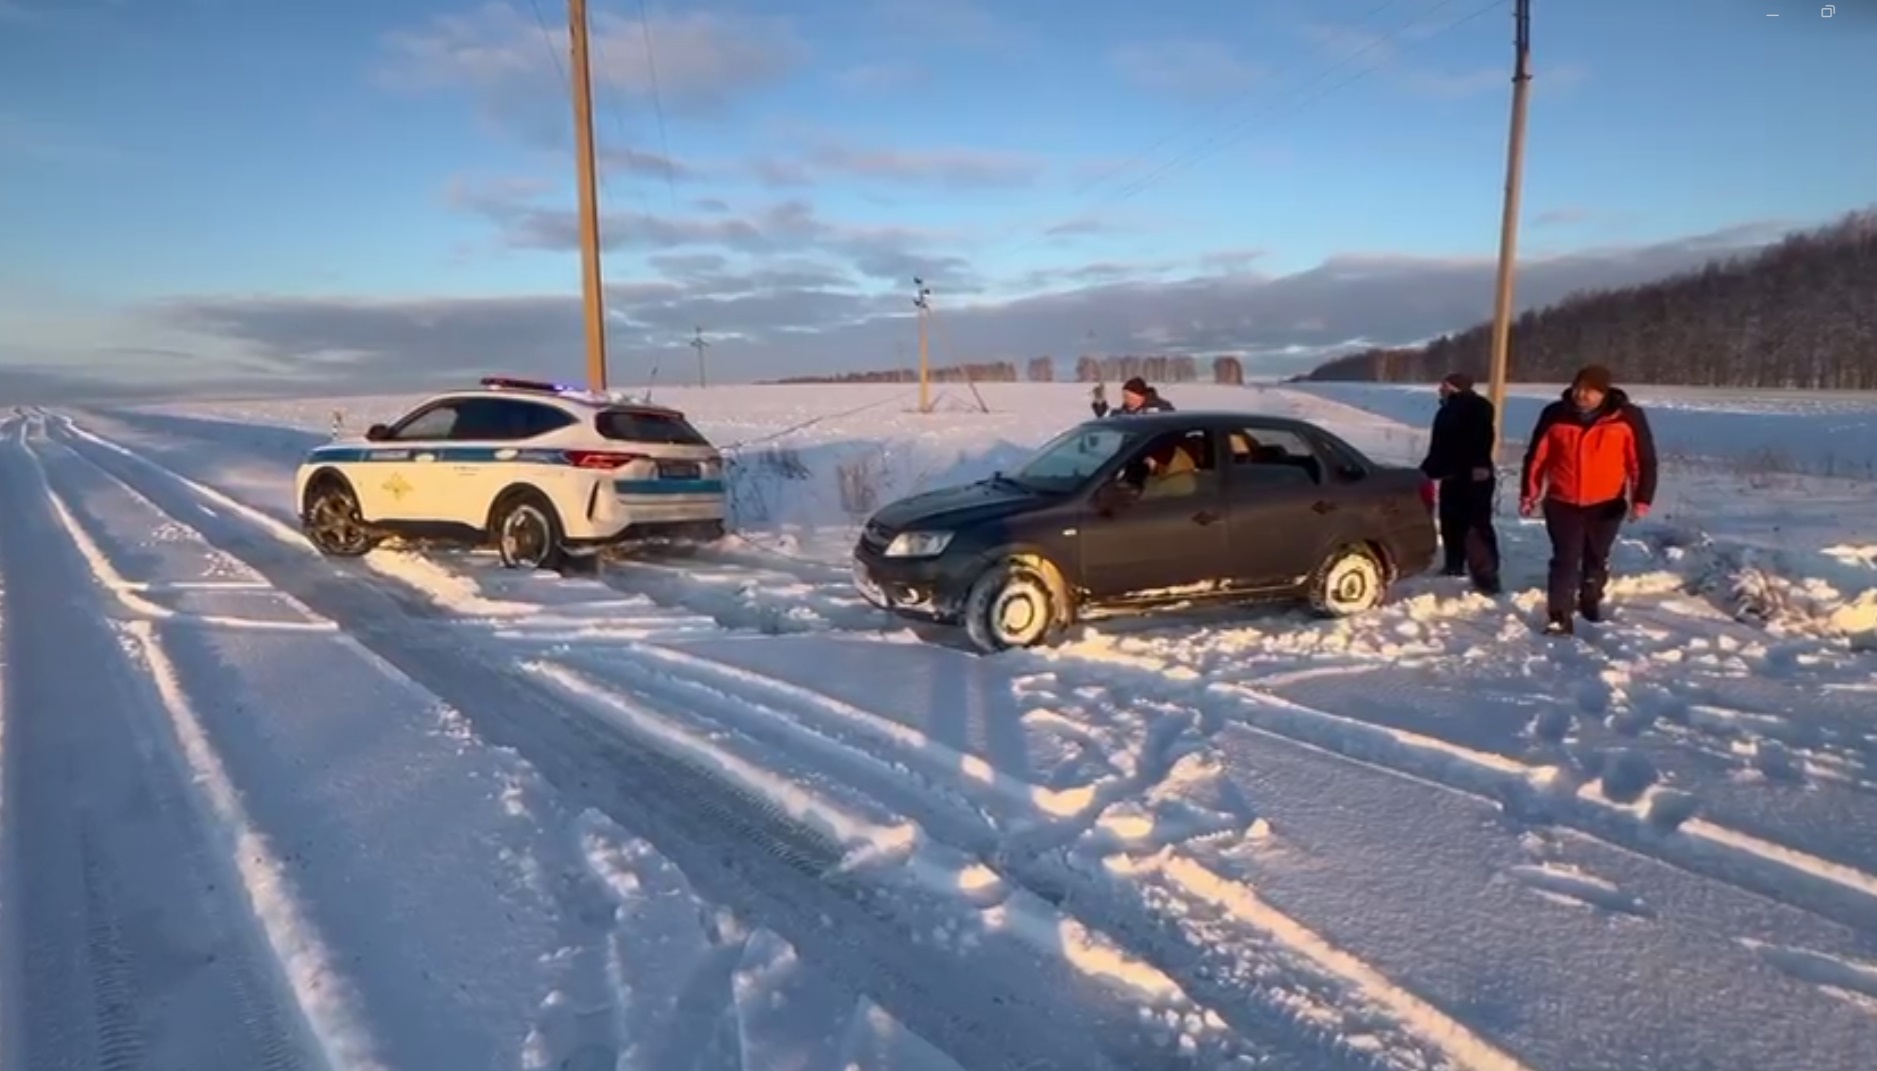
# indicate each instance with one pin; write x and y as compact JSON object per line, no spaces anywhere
{"x":506,"y":420}
{"x":433,"y":423}
{"x":531,"y":420}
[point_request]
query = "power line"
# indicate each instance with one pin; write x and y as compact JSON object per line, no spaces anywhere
{"x":611,"y":101}
{"x":658,"y":104}
{"x":1236,"y":131}
{"x":1219,"y":109}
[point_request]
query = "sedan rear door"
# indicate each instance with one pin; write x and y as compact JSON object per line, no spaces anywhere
{"x":1282,"y":510}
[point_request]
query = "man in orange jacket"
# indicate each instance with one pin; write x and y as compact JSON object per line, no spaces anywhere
{"x":1591,"y":462}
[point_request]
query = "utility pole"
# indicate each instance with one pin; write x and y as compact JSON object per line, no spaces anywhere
{"x":592,"y":297}
{"x":1509,"y":223}
{"x":697,"y":343}
{"x":923,"y":302}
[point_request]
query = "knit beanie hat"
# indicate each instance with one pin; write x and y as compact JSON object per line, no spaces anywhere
{"x":1593,"y":377}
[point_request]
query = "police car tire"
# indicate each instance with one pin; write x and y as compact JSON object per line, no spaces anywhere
{"x":999,"y":590}
{"x":515,"y":502}
{"x":330,"y":487}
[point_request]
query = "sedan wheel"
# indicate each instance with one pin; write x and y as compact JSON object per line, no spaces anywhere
{"x":1351,"y":582}
{"x":1009,"y":606}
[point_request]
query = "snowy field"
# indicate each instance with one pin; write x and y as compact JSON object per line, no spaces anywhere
{"x":265,"y":811}
{"x":1746,"y":431}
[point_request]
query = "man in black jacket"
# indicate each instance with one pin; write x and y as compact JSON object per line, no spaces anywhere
{"x":1136,"y":397}
{"x":1459,"y":456}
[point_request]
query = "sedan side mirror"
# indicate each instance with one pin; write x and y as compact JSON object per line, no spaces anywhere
{"x":378,"y":433}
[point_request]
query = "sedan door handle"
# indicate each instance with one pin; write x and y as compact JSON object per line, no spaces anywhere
{"x":1322,"y":505}
{"x":1205,"y":516}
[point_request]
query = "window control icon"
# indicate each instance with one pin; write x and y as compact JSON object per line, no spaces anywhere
{"x":1827,"y":11}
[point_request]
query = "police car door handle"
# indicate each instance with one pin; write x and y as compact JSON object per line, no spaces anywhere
{"x":1205,"y":517}
{"x":425,"y":457}
{"x":1323,"y":505}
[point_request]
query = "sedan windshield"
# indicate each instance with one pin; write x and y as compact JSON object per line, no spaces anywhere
{"x":1068,"y":460}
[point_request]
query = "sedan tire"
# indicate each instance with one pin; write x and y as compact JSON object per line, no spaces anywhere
{"x":1011,"y":605}
{"x":1351,"y":581}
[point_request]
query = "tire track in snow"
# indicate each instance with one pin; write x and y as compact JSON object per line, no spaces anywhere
{"x":1659,"y":822}
{"x":988,"y":1010}
{"x":550,"y":860}
{"x":134,"y":944}
{"x":780,"y":717}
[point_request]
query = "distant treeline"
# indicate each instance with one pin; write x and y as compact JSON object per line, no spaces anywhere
{"x":1798,"y":314}
{"x":1156,"y":369}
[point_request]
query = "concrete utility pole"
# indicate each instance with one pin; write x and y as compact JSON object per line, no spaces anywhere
{"x":923,"y":302}
{"x":697,"y":343}
{"x":1509,"y":223}
{"x":592,"y":297}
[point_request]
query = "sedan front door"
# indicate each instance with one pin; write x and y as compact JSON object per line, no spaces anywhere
{"x":1170,"y":536}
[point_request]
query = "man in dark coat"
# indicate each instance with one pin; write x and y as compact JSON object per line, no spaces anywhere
{"x":1136,"y":397}
{"x":1459,"y":457}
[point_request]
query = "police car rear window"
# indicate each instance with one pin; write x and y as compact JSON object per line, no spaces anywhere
{"x":630,"y":426}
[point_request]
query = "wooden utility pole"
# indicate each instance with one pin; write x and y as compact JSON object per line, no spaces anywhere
{"x":923,"y":302}
{"x":592,"y":297}
{"x":697,"y":343}
{"x":1509,"y":223}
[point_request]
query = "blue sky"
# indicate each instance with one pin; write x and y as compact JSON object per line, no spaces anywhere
{"x":199,"y":192}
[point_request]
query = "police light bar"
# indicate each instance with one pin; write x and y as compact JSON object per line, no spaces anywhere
{"x":513,"y":383}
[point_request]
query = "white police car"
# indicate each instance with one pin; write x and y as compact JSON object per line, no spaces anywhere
{"x":539,"y":470}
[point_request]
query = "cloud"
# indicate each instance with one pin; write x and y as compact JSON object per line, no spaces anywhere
{"x":790,"y":227}
{"x":1358,"y":50}
{"x":793,"y":314}
{"x":1452,"y":85}
{"x":883,"y":77}
{"x":24,"y":137}
{"x":955,"y":24}
{"x":640,"y":163}
{"x":1187,"y":68}
{"x":703,"y":60}
{"x":954,"y":168}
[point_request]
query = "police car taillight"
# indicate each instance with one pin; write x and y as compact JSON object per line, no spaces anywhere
{"x":1427,"y":494}
{"x":598,"y":459}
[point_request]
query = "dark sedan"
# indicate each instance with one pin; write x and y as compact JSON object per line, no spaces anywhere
{"x":1140,"y":512}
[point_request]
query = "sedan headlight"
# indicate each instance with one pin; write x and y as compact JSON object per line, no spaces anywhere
{"x":918,"y":544}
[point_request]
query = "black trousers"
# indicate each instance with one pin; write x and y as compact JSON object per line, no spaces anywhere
{"x":1467,"y":536}
{"x":1581,"y":538}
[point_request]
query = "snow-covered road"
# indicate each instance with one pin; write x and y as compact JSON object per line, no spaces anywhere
{"x":717,"y":813}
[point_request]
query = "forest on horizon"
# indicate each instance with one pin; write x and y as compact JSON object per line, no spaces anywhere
{"x":1800,"y":313}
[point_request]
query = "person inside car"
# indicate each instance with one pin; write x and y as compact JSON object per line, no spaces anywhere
{"x":1172,"y":472}
{"x":1136,"y":397}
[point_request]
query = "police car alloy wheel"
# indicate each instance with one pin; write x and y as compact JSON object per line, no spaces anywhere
{"x":1352,"y":581}
{"x":527,"y":536}
{"x":334,"y":525}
